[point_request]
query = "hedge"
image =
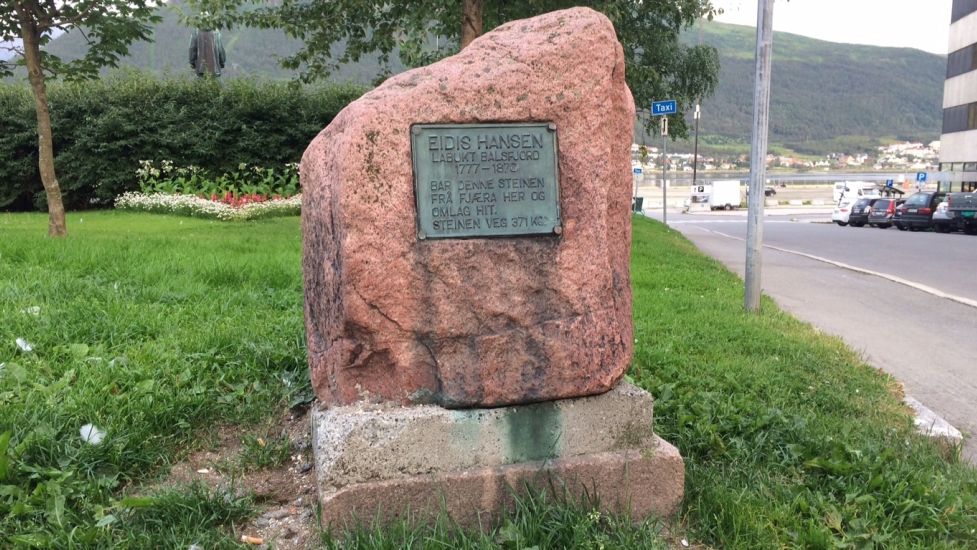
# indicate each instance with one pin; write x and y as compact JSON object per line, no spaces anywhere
{"x":102,"y":129}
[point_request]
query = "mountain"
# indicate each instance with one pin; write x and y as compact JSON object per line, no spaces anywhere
{"x":823,"y":92}
{"x":250,"y":52}
{"x":825,"y":96}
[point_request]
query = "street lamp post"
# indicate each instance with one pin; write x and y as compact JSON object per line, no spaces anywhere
{"x":664,"y":131}
{"x":758,"y":155}
{"x":695,"y":152}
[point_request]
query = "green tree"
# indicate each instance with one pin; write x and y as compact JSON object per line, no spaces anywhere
{"x":109,"y":27}
{"x":334,"y":32}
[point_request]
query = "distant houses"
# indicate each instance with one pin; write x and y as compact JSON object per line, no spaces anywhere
{"x":910,"y":156}
{"x":898,"y":156}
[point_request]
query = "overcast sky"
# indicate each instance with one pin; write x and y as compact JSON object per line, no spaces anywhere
{"x":920,"y":24}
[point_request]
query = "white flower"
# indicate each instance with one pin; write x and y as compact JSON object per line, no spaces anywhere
{"x":33,"y":310}
{"x":92,"y":434}
{"x":195,"y":206}
{"x":24,"y":345}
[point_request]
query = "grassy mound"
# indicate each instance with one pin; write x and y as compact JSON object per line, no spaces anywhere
{"x":151,"y":328}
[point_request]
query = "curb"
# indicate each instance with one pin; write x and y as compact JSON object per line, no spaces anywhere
{"x":932,"y":425}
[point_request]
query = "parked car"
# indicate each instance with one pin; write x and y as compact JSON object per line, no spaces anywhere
{"x":769,"y":191}
{"x":943,"y":221}
{"x":858,"y":216}
{"x":917,"y":212}
{"x":882,"y":212}
{"x":842,"y":211}
{"x":897,"y":216}
{"x":963,"y":207}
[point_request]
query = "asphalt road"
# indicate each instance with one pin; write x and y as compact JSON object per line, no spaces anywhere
{"x":907,"y":301}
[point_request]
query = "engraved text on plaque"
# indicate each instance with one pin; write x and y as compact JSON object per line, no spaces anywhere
{"x":485,"y":180}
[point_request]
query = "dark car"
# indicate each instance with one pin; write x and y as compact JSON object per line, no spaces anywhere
{"x":859,"y":211}
{"x":882,"y":212}
{"x":917,"y":212}
{"x":769,"y":191}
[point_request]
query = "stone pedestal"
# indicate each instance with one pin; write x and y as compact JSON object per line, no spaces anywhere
{"x":385,"y":462}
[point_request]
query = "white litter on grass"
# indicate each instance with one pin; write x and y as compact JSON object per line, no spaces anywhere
{"x":24,"y":345}
{"x":685,"y":543}
{"x":33,"y":310}
{"x":195,"y":547}
{"x":203,"y":471}
{"x":91,"y":433}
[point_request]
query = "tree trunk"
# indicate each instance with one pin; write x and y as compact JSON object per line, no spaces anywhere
{"x":45,"y":146}
{"x":471,"y":21}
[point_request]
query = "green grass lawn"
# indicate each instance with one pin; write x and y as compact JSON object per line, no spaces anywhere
{"x":155,"y":328}
{"x":149,"y":327}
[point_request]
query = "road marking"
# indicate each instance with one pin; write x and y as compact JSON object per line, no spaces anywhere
{"x":911,"y":284}
{"x":739,"y":220}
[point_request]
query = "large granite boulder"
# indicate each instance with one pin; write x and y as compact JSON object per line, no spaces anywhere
{"x":474,"y":322}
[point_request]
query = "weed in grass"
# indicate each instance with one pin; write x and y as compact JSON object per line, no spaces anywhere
{"x":258,"y":453}
{"x":181,"y":517}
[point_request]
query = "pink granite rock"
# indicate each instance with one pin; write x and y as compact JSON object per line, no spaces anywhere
{"x":483,"y":321}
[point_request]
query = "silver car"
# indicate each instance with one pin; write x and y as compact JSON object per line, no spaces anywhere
{"x":942,"y":219}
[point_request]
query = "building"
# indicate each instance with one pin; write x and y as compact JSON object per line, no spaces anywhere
{"x":958,"y":147}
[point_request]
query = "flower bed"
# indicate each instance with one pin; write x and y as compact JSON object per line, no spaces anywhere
{"x":247,"y":182}
{"x":190,"y":205}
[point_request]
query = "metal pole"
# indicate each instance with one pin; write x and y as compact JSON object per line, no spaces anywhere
{"x":664,"y":168}
{"x":758,"y":154}
{"x":695,"y":153}
{"x":639,"y":177}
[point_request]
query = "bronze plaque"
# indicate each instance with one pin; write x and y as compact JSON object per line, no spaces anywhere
{"x":485,"y":180}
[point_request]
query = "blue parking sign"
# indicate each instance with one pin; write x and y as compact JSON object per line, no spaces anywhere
{"x":890,"y":184}
{"x":920,"y":176}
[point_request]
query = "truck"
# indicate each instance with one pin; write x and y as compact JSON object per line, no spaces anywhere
{"x":725,"y":194}
{"x":961,"y":207}
{"x":854,"y":189}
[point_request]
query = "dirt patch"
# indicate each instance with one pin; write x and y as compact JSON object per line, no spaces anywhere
{"x":285,"y":492}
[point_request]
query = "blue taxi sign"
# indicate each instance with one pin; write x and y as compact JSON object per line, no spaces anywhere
{"x":666,"y":107}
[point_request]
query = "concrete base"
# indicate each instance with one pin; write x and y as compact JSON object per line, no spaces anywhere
{"x":390,"y":462}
